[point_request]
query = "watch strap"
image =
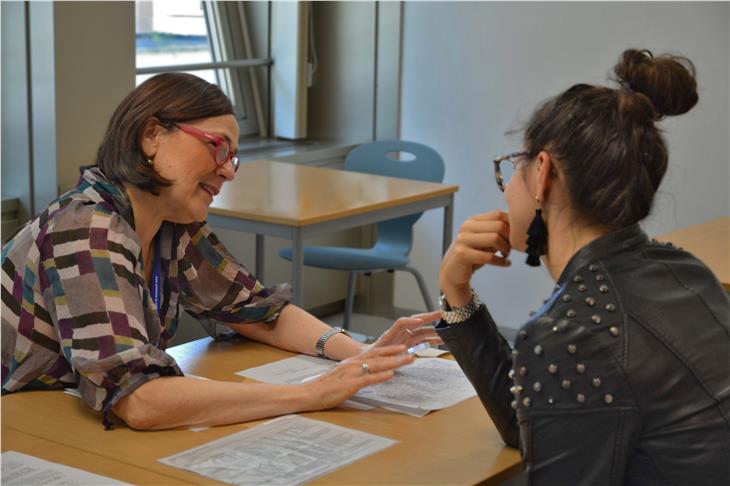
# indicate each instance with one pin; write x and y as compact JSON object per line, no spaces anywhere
{"x":319,"y":346}
{"x":455,"y":315}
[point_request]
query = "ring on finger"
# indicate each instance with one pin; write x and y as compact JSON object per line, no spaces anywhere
{"x":365,"y":369}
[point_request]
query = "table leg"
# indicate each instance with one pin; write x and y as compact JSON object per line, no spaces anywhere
{"x":297,"y":267}
{"x":260,"y":258}
{"x":448,"y":224}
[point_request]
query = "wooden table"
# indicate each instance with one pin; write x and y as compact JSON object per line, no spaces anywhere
{"x":294,"y":202}
{"x":457,"y":445}
{"x":710,"y":242}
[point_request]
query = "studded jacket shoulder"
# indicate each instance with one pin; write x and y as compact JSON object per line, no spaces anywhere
{"x":621,"y":377}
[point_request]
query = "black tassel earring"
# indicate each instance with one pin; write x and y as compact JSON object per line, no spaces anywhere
{"x":536,"y":239}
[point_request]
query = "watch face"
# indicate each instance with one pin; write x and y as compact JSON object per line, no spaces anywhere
{"x":443,"y":304}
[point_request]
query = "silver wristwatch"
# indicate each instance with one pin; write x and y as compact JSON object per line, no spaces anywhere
{"x":455,"y":315}
{"x":319,"y":346}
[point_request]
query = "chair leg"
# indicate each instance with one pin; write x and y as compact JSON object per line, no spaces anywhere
{"x":421,"y":286}
{"x":349,"y":303}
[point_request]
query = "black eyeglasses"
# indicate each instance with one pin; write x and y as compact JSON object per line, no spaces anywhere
{"x":503,"y":174}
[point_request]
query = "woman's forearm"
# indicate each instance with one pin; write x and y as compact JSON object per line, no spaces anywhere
{"x":175,"y":402}
{"x":297,"y":330}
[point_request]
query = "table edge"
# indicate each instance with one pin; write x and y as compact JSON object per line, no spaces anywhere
{"x":296,"y":223}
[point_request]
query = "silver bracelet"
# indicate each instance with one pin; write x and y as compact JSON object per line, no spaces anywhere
{"x":319,"y":347}
{"x":456,"y":315}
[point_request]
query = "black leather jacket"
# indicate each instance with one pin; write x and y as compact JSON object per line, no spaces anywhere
{"x":622,"y":377}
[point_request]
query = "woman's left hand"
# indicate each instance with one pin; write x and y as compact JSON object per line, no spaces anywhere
{"x":411,"y":331}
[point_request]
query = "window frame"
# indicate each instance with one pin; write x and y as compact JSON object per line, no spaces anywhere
{"x":227,"y":32}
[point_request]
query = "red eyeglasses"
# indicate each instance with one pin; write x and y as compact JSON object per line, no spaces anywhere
{"x":222,"y":152}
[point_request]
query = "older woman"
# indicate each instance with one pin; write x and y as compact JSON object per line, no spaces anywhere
{"x":622,"y":376}
{"x":92,"y":288}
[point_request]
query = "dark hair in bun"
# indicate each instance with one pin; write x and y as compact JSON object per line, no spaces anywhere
{"x":668,"y":81}
{"x":605,"y":140}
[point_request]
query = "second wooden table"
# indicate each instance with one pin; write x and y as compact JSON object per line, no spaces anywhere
{"x":294,"y":202}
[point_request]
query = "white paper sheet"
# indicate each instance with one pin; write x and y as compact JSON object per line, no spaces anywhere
{"x":289,"y":371}
{"x":427,"y":384}
{"x":287,"y":450}
{"x":294,"y":370}
{"x":416,"y":389}
{"x":74,"y":392}
{"x":431,"y":352}
{"x":20,"y":469}
{"x":413,"y":411}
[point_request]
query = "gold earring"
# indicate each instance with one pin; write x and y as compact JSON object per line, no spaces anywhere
{"x":150,"y":161}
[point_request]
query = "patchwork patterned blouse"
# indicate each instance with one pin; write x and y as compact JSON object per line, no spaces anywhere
{"x":77,"y":310}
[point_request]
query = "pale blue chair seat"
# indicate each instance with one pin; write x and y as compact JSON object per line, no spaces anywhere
{"x":395,"y":236}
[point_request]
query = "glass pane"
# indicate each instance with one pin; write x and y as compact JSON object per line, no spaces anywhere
{"x":171,"y":33}
{"x":507,"y":169}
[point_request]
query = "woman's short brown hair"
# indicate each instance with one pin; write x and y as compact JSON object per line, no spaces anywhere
{"x":169,"y":98}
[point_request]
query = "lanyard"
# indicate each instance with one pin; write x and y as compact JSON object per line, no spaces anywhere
{"x":157,"y":270}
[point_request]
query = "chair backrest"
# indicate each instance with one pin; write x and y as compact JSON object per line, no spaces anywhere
{"x":374,"y":158}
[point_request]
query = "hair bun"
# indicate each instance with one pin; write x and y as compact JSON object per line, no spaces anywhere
{"x":668,"y":81}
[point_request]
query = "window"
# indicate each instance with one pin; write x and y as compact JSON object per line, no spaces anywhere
{"x":186,"y":35}
{"x":172,"y":33}
{"x":230,"y":44}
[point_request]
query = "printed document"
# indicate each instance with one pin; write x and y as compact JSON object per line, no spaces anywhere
{"x":427,"y":384}
{"x":416,"y":389}
{"x":20,"y":469}
{"x":297,"y":369}
{"x":287,"y":450}
{"x":289,"y":371}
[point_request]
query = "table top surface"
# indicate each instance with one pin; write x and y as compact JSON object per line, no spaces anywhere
{"x":708,"y":241}
{"x":457,"y":445}
{"x":299,"y":195}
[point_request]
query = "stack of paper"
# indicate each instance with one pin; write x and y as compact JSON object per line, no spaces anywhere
{"x":416,"y":389}
{"x":426,"y":385}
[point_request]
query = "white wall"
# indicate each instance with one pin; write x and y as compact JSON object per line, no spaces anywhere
{"x":14,"y":93}
{"x":472,"y":71}
{"x":28,"y":106}
{"x":94,"y":55}
{"x":342,"y":97}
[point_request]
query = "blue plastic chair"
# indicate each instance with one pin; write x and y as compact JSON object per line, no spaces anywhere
{"x":395,"y":236}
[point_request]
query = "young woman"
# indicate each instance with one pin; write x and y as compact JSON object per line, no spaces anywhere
{"x":622,"y":376}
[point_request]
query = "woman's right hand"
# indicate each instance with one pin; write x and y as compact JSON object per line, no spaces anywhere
{"x":345,"y":379}
{"x":476,"y":244}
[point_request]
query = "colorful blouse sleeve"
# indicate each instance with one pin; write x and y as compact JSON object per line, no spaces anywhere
{"x":214,"y":285}
{"x":93,"y":284}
